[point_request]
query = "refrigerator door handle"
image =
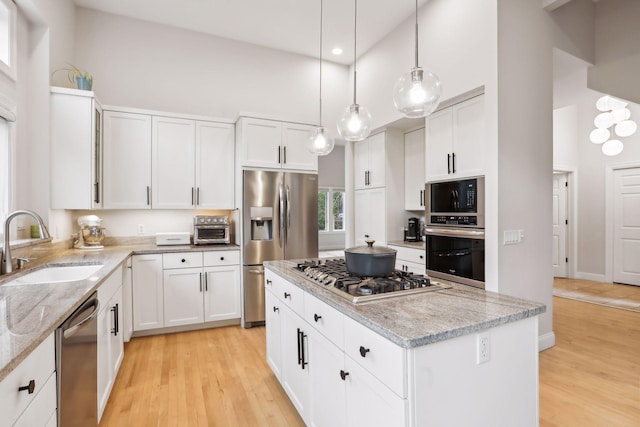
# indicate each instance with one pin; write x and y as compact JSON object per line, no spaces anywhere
{"x":288,"y":223}
{"x":282,"y":213}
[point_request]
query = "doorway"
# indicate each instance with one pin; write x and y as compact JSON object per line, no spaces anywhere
{"x":626,"y":226}
{"x":560,"y":224}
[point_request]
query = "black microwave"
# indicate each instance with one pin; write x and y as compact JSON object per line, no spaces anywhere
{"x":457,"y":203}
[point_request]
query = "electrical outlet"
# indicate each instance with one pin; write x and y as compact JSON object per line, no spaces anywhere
{"x":140,"y":228}
{"x":484,"y":348}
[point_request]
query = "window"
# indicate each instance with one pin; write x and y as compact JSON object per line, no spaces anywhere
{"x":330,"y":209}
{"x":4,"y":170}
{"x":8,"y":38}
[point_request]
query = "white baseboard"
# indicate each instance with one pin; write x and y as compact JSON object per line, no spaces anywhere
{"x":546,"y":341}
{"x":590,"y":276}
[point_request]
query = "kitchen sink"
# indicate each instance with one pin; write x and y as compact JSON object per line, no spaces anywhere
{"x":57,"y":274}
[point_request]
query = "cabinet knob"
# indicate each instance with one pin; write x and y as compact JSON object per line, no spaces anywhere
{"x":221,"y":258}
{"x":421,"y":256}
{"x":367,"y":236}
{"x":343,"y":374}
{"x":269,"y":282}
{"x":275,"y":309}
{"x":184,"y":260}
{"x":364,"y":351}
{"x":31,"y":387}
{"x":287,"y":295}
{"x":316,"y":317}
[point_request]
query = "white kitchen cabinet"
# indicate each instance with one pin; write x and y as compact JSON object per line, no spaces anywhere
{"x":295,"y":360}
{"x":273,"y":332}
{"x":414,"y":172}
{"x":215,"y":165}
{"x":370,"y":208}
{"x":127,"y":301}
{"x":173,"y":165}
{"x":456,"y":141}
{"x":410,"y":259}
{"x":370,"y":162}
{"x":273,"y":144}
{"x":207,"y":290}
{"x":379,"y":197}
{"x":127,"y":160}
{"x":110,"y":337}
{"x":76,"y":149}
{"x":148,"y":297}
{"x":24,"y":408}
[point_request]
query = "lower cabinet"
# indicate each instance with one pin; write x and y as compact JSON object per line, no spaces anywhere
{"x":324,"y":383}
{"x":148,"y":298}
{"x":28,"y":392}
{"x":110,"y":337}
{"x":410,"y":259}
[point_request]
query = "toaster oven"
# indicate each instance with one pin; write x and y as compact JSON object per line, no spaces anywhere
{"x":211,"y":229}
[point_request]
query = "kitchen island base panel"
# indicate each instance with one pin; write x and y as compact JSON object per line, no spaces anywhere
{"x":500,"y":392}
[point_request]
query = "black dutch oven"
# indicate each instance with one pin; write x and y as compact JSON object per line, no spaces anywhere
{"x":369,"y":260}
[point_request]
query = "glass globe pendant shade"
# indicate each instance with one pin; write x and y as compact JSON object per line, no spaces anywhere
{"x":320,"y":142}
{"x":603,"y":120}
{"x":612,"y":147}
{"x":598,"y":136}
{"x":417,"y":93}
{"x":626,"y":128}
{"x":355,"y":123}
{"x":608,"y":103}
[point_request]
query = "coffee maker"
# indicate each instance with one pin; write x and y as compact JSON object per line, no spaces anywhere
{"x":413,"y":230}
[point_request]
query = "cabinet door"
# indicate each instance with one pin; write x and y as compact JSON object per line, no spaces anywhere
{"x":370,"y":214}
{"x":377,"y":161}
{"x":414,"y":176}
{"x":469,"y":137}
{"x":273,"y":332}
{"x":148,"y":299}
{"x":117,"y":335}
{"x":360,"y":164}
{"x":439,"y":145}
{"x":260,"y":143}
{"x":173,"y":164}
{"x":183,"y":296}
{"x":214,"y":162}
{"x":295,"y":154}
{"x":127,"y":160}
{"x":104,"y":377}
{"x":410,"y":267}
{"x":222,"y":293}
{"x":370,"y":402}
{"x":295,"y":351}
{"x":327,"y":399}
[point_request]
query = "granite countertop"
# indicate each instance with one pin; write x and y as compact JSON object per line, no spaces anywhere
{"x":30,"y":313}
{"x":421,"y":319}
{"x":412,"y":245}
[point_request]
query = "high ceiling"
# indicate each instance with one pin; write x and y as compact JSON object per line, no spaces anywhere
{"x":289,"y":25}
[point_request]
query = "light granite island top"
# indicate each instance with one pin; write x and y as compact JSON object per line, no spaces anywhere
{"x":425,"y":318}
{"x":29,"y":313}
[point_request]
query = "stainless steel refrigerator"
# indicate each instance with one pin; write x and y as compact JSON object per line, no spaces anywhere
{"x":280,"y":212}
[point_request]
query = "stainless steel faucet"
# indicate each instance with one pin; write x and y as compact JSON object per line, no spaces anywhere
{"x":7,"y":262}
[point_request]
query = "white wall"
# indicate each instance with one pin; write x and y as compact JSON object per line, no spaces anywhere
{"x":152,"y":66}
{"x":573,"y":30}
{"x":565,"y":138}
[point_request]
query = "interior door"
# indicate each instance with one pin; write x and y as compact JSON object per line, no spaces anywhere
{"x":560,"y":224}
{"x":626,"y":232}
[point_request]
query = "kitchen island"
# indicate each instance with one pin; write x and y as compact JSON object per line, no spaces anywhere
{"x":457,"y":356}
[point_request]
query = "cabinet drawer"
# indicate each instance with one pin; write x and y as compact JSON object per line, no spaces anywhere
{"x":289,"y":294}
{"x":325,"y":319}
{"x":42,"y":408}
{"x":38,"y":366}
{"x":110,"y":286}
{"x":216,"y":258}
{"x":182,"y":260}
{"x":411,"y":255}
{"x":382,"y":358}
{"x":411,"y":267}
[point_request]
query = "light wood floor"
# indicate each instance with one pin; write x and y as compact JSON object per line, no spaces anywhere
{"x":219,"y":377}
{"x":609,"y":294}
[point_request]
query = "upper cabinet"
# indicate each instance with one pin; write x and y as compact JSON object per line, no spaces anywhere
{"x":127,"y":160}
{"x":455,"y":141}
{"x":276,"y":145}
{"x":414,"y":176}
{"x":167,"y":162}
{"x":370,"y":162}
{"x":76,"y":149}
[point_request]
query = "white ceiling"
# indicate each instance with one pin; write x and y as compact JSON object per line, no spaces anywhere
{"x":289,"y":25}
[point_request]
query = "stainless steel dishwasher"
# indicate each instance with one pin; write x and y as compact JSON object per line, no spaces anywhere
{"x":77,"y":366}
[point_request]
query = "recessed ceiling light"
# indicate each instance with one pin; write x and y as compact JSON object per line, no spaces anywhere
{"x":337,"y":51}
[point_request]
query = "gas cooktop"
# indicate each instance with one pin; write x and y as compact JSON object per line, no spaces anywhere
{"x":332,"y":274}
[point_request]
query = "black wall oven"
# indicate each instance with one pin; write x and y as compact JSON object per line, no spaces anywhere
{"x":455,"y":230}
{"x":456,"y":255}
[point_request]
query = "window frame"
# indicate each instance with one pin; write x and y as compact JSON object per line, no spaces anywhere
{"x":330,"y":219}
{"x":8,"y":113}
{"x":10,"y":70}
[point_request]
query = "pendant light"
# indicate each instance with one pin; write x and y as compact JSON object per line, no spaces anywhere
{"x":320,"y":142}
{"x":355,"y":123}
{"x":417,"y":93}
